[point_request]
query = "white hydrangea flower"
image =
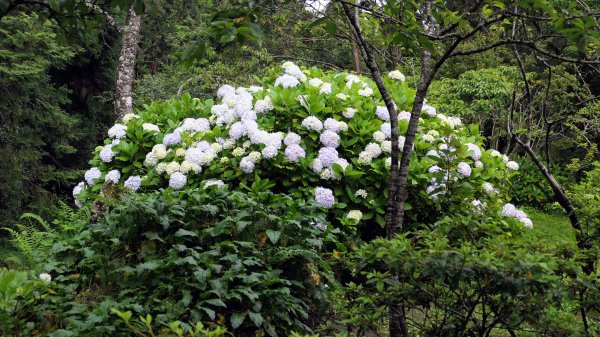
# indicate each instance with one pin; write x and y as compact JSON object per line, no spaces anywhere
{"x":316,"y":165}
{"x":171,"y":168}
{"x":185,"y":166}
{"x":388,"y":162}
{"x":343,"y":163}
{"x":92,"y":174}
{"x":355,"y":215}
{"x":365,"y":92}
{"x":374,"y":149}
{"x":269,"y":152}
{"x":160,"y":151}
{"x":396,"y":75}
{"x":312,"y":123}
{"x":512,"y":165}
{"x":434,"y":133}
{"x":77,"y":189}
{"x":160,"y":168}
{"x":478,"y":164}
{"x":177,"y":181}
{"x":527,"y":222}
{"x":294,"y":153}
{"x":432,"y":153}
{"x":287,"y":81}
{"x":383,"y":113}
{"x":332,"y":125}
{"x":361,"y":193}
{"x":129,"y":117}
{"x":45,"y":277}
{"x":264,"y":105}
{"x":327,"y":174}
{"x":434,"y":169}
{"x":225,"y":90}
{"x":330,"y":139}
{"x":324,"y":197}
{"x":295,"y":71}
{"x":213,"y":182}
{"x":428,"y":138}
{"x":505,"y":158}
{"x":254,"y":89}
{"x":349,"y":112}
{"x":107,"y":154}
{"x":386,"y":146}
{"x":429,"y":110}
{"x":404,"y":115}
{"x":113,"y":175}
{"x":292,"y":139}
{"x":508,"y":210}
{"x":117,"y":131}
{"x":365,"y":158}
{"x":351,"y":79}
{"x":238,"y":151}
{"x":171,"y":139}
{"x":315,"y":82}
{"x":328,"y":156}
{"x":386,"y":129}
{"x":247,"y":165}
{"x":489,"y":188}
{"x":133,"y":183}
{"x":476,"y":151}
{"x":464,"y":169}
{"x":150,"y":127}
{"x":325,"y":89}
{"x":379,"y":136}
{"x":495,"y":154}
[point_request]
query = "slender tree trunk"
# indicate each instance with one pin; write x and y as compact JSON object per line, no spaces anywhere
{"x":409,"y":138}
{"x":397,"y":320}
{"x":354,"y":41}
{"x":126,"y":67}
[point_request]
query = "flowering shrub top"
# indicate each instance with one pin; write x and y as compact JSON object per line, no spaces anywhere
{"x":309,"y":133}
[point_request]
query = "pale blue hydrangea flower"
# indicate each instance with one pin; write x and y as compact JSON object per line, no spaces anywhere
{"x":225,"y":89}
{"x":324,"y":197}
{"x":107,"y":154}
{"x":332,"y":125}
{"x":464,"y":169}
{"x":294,"y":153}
{"x":177,"y":180}
{"x":269,"y":152}
{"x":328,"y":156}
{"x":171,"y":139}
{"x":330,"y":139}
{"x":113,"y":175}
{"x":292,"y":139}
{"x":133,"y":183}
{"x":92,"y":174}
{"x":117,"y":131}
{"x":247,"y":165}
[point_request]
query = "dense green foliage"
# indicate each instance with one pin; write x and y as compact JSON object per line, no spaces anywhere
{"x":250,"y":250}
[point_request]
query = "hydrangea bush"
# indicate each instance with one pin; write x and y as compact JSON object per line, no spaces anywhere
{"x":312,"y":134}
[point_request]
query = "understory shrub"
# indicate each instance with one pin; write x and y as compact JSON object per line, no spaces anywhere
{"x":247,"y":261}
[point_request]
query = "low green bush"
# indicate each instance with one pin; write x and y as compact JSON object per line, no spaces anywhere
{"x":247,"y":261}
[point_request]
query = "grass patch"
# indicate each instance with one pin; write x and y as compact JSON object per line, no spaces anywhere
{"x":550,"y":226}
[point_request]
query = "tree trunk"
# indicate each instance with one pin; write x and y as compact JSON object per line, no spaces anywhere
{"x":126,"y":67}
{"x":354,"y":42}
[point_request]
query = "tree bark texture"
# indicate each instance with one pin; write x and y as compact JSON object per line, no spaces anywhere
{"x":354,"y":42}
{"x":126,"y":67}
{"x":397,"y":319}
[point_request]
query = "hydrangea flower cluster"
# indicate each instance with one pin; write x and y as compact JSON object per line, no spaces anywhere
{"x":300,"y":129}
